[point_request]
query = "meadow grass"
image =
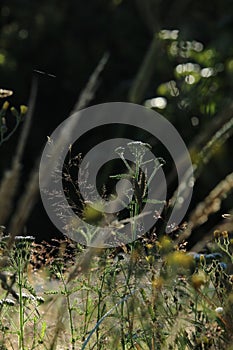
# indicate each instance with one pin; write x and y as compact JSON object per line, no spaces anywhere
{"x":152,"y":295}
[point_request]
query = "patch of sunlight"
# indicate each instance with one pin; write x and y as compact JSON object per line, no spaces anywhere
{"x":166,"y":34}
{"x":187,"y":67}
{"x":23,"y":34}
{"x":190,"y":79}
{"x":207,"y":72}
{"x":195,"y":121}
{"x":157,"y":102}
{"x":230,"y":65}
{"x":174,"y":48}
{"x":2,"y":58}
{"x":197,"y":46}
{"x":173,"y":89}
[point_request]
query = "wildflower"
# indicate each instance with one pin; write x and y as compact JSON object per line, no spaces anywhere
{"x":202,"y":258}
{"x":219,"y":310}
{"x":120,"y":151}
{"x":5,"y":105}
{"x":14,"y":112}
{"x":165,"y":244}
{"x":197,"y":280}
{"x":138,"y":148}
{"x":150,"y":259}
{"x":180,"y":260}
{"x":23,"y":109}
{"x":225,"y":234}
{"x":149,"y":246}
{"x":217,"y":234}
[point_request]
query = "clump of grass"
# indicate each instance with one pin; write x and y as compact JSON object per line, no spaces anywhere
{"x":149,"y":294}
{"x":154,"y":295}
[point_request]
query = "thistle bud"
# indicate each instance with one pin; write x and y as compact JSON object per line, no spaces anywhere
{"x":5,"y":105}
{"x":23,"y":109}
{"x":14,"y":112}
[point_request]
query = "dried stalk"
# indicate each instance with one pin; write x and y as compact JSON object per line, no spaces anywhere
{"x":210,"y":205}
{"x":10,"y":181}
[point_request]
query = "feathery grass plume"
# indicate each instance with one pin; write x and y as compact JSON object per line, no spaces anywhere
{"x":10,"y":181}
{"x":86,"y":96}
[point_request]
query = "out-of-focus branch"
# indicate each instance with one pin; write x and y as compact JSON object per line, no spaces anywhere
{"x":90,"y":89}
{"x":145,"y":73}
{"x":10,"y":181}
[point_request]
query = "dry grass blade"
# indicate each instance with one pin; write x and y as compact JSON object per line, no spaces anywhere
{"x":25,"y":205}
{"x":90,"y":89}
{"x":10,"y":181}
{"x":210,"y":205}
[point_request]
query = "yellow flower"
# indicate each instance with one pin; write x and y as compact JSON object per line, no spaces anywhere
{"x":180,"y":259}
{"x":23,"y":109}
{"x":149,"y":246}
{"x":225,"y":234}
{"x":202,"y":258}
{"x":198,"y":279}
{"x":5,"y":105}
{"x":165,"y":244}
{"x":217,"y":234}
{"x":150,"y":259}
{"x":14,"y":111}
